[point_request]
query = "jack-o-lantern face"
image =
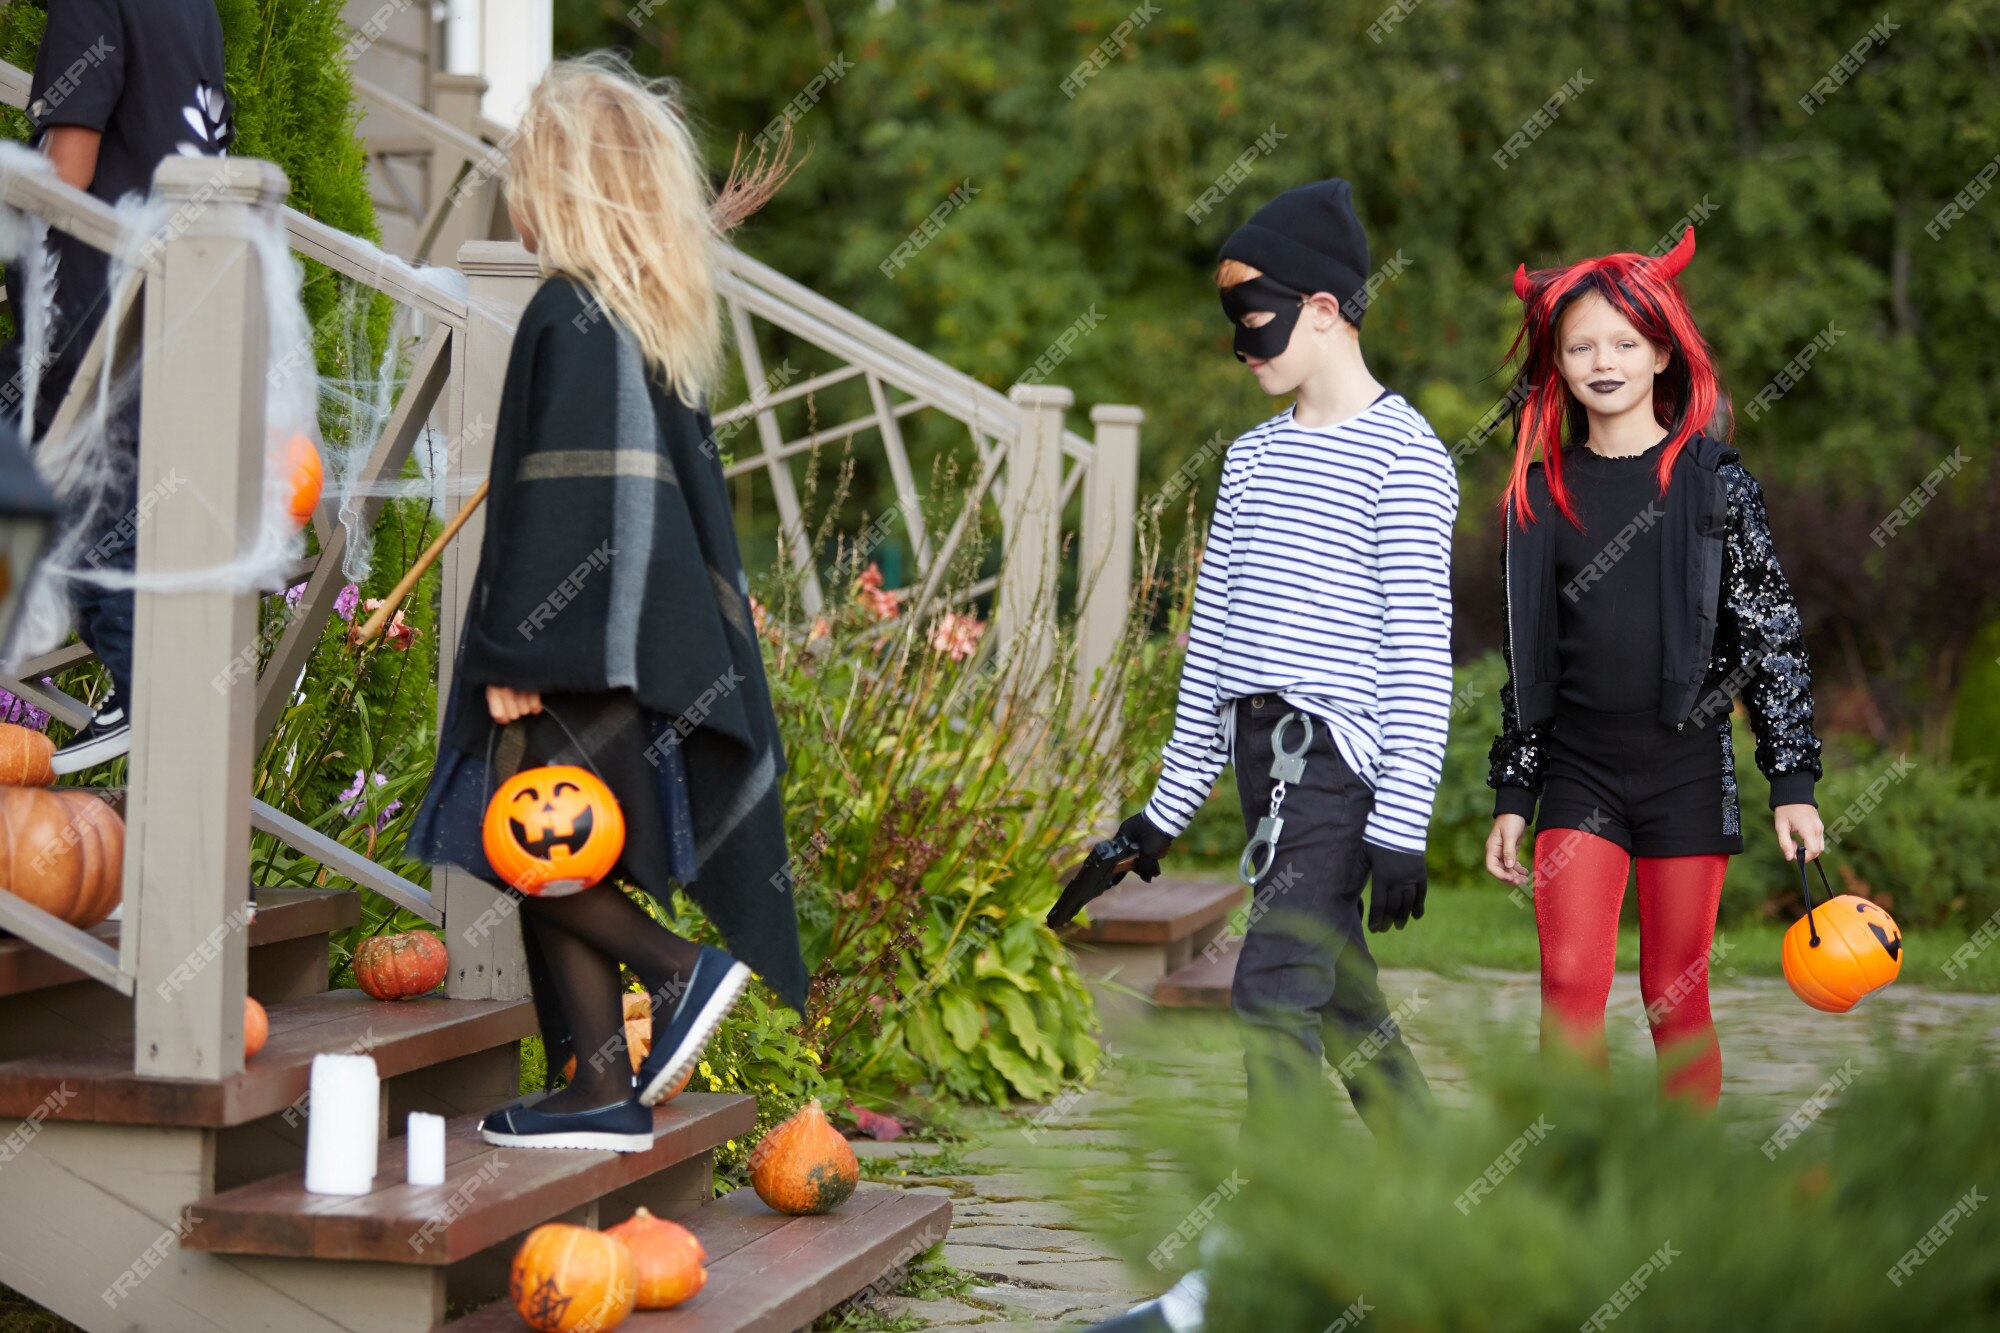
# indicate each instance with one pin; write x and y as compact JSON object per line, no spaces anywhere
{"x":1848,"y":949}
{"x":553,"y":830}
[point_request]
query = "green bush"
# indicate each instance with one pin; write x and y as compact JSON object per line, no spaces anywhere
{"x":1540,"y":1201}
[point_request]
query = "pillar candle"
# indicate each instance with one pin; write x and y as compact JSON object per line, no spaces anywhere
{"x":343,"y":1124}
{"x":424,"y":1149}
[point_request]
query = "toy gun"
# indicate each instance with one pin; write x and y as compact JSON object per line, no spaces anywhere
{"x":1107,"y":863}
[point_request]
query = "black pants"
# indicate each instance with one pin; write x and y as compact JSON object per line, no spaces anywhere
{"x":1306,"y":985}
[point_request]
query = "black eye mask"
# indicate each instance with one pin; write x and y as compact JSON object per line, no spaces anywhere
{"x":1270,"y":338}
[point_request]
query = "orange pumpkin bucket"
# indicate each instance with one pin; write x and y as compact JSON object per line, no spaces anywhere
{"x":553,"y":830}
{"x":1846,"y":949}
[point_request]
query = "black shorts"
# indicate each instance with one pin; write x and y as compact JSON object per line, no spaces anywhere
{"x":1651,"y":789}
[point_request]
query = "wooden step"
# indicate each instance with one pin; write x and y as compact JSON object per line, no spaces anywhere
{"x":1162,"y":912}
{"x":283,"y":915}
{"x":1204,"y":981}
{"x":98,"y":1084}
{"x":489,"y":1193}
{"x":770,"y":1273}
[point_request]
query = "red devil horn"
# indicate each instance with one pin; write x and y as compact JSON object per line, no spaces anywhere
{"x":1673,"y":261}
{"x":1521,"y":282}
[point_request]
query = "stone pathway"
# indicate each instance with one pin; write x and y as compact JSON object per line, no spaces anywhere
{"x":1049,"y":1179}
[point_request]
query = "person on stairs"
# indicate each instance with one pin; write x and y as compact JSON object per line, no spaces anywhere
{"x":609,"y":623}
{"x":119,"y":86}
{"x":1321,"y":632}
{"x":1634,"y":611}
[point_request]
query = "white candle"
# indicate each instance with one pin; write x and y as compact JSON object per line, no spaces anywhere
{"x":424,"y":1149}
{"x":343,"y":1124}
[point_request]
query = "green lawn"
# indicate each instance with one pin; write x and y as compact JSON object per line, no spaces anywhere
{"x":1483,"y":927}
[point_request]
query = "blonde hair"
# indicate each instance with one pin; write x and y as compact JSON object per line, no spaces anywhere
{"x":1231,"y":272}
{"x":605,"y":172}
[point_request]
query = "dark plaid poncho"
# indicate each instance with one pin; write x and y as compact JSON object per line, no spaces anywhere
{"x":610,"y":568}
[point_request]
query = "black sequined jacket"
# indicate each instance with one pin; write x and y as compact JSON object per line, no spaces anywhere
{"x":1728,"y":628}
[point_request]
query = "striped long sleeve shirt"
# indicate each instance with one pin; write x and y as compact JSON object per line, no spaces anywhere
{"x":1326,"y":580}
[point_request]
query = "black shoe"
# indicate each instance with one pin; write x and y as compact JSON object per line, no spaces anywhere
{"x":621,"y":1127}
{"x":717,"y":984}
{"x":108,"y":735}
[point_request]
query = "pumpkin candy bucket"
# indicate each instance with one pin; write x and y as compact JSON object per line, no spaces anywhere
{"x":1842,"y":951}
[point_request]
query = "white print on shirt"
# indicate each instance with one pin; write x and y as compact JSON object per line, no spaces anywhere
{"x":208,"y":116}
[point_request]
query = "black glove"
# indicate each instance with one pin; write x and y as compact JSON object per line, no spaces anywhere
{"x":1136,"y":846}
{"x":1398,"y":880}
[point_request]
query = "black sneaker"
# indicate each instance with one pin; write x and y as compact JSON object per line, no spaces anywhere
{"x":108,"y":735}
{"x":621,"y":1127}
{"x":717,"y":984}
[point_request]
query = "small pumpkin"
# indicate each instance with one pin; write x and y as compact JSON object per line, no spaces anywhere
{"x":553,"y":830}
{"x":804,"y":1165}
{"x":1844,"y":949}
{"x":306,"y":475}
{"x":571,"y":1279}
{"x":395,"y":967}
{"x":62,"y":849}
{"x":669,"y":1258}
{"x":24,"y":757}
{"x":638,"y":1035}
{"x":256,"y":1026}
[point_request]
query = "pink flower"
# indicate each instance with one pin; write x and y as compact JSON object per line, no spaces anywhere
{"x":957,"y":635}
{"x":294,"y":593}
{"x":347,"y":600}
{"x":884,"y":603}
{"x":396,"y":634}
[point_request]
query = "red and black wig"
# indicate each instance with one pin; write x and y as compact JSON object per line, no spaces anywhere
{"x":1547,"y":415}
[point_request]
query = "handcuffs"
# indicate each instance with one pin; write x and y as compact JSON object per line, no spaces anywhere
{"x":1286,"y":766}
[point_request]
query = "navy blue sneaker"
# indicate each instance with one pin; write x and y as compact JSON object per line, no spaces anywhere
{"x":622,"y":1127}
{"x":717,"y":984}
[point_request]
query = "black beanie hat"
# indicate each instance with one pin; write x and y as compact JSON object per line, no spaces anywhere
{"x":1309,"y":239}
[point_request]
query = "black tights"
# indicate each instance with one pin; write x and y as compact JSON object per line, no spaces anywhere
{"x":583,"y":937}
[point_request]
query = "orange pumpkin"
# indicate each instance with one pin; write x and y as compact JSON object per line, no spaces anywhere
{"x":553,"y":830}
{"x":395,"y":967}
{"x":24,"y":757}
{"x":256,"y":1026}
{"x":62,"y":849}
{"x":638,"y":1035}
{"x":306,"y":476}
{"x":1840,"y":951}
{"x":571,"y":1279}
{"x":668,"y":1256}
{"x":804,"y":1165}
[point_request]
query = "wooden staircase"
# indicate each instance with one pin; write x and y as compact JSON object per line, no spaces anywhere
{"x":167,"y":1204}
{"x":1155,"y":939}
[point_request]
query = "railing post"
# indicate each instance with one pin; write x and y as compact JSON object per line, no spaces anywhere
{"x":202,"y":426}
{"x":1031,"y":522}
{"x":484,"y":941}
{"x":455,"y":100}
{"x":1105,"y":570}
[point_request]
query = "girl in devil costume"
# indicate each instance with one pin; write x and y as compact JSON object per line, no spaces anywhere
{"x":1642,"y":592}
{"x":609,"y":623}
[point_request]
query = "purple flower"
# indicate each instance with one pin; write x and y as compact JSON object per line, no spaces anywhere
{"x":294,"y":593}
{"x":353,"y":802}
{"x":349,"y":598}
{"x":17,"y":710}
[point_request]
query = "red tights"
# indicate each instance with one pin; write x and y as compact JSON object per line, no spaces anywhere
{"x":1579,"y":886}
